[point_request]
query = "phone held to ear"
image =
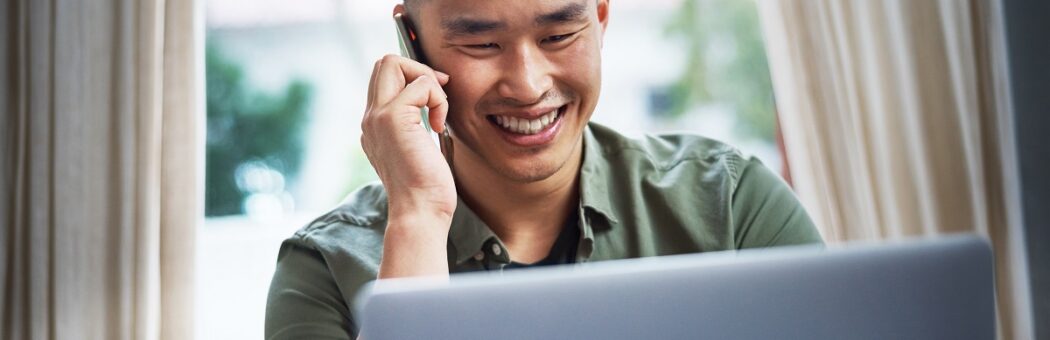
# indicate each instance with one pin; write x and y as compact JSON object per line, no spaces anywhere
{"x":409,"y":44}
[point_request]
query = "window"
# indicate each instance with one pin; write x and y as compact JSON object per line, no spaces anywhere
{"x":286,"y":83}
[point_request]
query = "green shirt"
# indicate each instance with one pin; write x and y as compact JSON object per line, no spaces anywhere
{"x":660,"y":195}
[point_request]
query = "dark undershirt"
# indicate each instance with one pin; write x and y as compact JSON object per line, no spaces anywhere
{"x":563,"y":251}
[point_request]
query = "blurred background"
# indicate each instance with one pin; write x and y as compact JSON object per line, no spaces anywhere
{"x":285,"y":94}
{"x":156,"y":153}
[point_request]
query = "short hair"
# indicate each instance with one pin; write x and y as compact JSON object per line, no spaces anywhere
{"x":412,"y":6}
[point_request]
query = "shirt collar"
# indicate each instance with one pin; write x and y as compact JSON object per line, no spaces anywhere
{"x":468,"y":233}
{"x":594,"y":177}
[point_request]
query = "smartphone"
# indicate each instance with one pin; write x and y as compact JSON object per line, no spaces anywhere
{"x":409,"y":44}
{"x":406,"y":37}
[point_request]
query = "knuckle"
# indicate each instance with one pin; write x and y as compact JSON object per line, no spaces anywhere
{"x":365,"y":145}
{"x":390,"y":58}
{"x":373,"y":120}
{"x":384,"y":118}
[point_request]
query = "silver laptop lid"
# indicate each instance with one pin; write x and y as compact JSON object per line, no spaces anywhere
{"x":919,"y":289}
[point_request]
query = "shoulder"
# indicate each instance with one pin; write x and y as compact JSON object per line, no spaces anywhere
{"x":321,"y":268}
{"x":346,"y":244}
{"x":709,"y":158}
{"x":357,"y":222}
{"x":675,"y":184}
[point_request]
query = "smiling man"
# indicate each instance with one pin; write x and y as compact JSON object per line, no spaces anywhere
{"x":532,"y":182}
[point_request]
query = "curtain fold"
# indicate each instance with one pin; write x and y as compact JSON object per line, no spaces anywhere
{"x":896,"y":123}
{"x":101,"y":181}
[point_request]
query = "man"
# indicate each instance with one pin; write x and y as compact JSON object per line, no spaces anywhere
{"x":532,"y":182}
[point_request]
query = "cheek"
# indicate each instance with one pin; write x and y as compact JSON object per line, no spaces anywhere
{"x":468,"y":83}
{"x":580,"y":68}
{"x":467,"y":80}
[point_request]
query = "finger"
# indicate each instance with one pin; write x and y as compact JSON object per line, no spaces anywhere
{"x":395,"y":73}
{"x":425,"y":91}
{"x":438,"y":114}
{"x":442,"y":77}
{"x":372,"y":86}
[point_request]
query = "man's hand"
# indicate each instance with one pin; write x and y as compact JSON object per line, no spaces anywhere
{"x":421,"y":194}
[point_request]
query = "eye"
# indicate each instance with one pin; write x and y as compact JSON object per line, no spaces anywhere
{"x":557,"y":38}
{"x":485,"y":46}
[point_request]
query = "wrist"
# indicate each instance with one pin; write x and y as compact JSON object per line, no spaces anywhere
{"x":436,"y":215}
{"x":415,"y":245}
{"x":423,"y":222}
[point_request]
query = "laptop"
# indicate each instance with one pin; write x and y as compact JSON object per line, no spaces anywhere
{"x":919,"y":289}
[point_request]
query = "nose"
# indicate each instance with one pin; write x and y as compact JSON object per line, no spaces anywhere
{"x":526,"y":76}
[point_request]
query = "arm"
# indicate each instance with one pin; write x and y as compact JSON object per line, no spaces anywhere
{"x":304,"y":302}
{"x":418,"y":181}
{"x":766,"y":212}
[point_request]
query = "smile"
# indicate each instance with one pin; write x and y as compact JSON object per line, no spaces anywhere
{"x":527,"y":126}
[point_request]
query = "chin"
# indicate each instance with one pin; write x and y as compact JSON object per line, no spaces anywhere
{"x":532,"y":175}
{"x":539,"y":166}
{"x":529,"y":171}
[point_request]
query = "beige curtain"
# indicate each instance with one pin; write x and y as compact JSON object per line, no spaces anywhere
{"x":101,"y":174}
{"x":897,"y":123}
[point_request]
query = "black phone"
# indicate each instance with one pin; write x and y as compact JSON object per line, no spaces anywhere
{"x":408,"y":41}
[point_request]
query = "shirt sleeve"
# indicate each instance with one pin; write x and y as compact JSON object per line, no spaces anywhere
{"x":766,"y":212}
{"x":304,"y":301}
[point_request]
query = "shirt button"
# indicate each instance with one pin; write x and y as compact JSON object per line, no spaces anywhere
{"x":496,"y":250}
{"x":479,"y":256}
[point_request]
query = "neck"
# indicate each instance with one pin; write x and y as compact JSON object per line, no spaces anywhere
{"x":527,"y":216}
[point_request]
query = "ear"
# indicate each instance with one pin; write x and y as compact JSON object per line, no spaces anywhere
{"x":603,"y":16}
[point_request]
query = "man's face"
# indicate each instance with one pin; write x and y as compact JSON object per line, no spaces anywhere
{"x":525,"y":78}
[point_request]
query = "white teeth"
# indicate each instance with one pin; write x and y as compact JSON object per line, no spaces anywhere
{"x":525,"y":126}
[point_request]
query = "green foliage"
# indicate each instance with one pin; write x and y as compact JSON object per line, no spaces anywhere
{"x":247,"y":125}
{"x":359,"y":170}
{"x":741,"y":79}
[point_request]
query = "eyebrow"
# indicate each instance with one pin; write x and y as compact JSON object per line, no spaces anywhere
{"x":466,"y":26}
{"x":569,"y":13}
